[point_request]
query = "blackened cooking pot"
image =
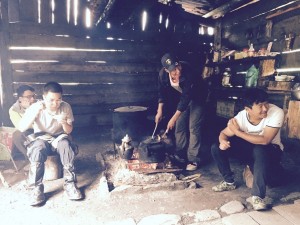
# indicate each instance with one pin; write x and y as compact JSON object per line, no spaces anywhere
{"x":152,"y":150}
{"x":131,"y":121}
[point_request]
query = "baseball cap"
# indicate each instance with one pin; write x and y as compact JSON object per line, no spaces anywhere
{"x":169,"y":61}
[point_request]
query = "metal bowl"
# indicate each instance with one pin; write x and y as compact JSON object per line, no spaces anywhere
{"x":296,"y":94}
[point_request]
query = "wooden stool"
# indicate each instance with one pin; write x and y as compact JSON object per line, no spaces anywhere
{"x":53,"y":168}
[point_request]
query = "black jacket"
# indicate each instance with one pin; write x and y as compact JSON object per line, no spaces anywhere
{"x":192,"y":85}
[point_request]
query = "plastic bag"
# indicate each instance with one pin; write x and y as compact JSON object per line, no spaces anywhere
{"x":251,"y":77}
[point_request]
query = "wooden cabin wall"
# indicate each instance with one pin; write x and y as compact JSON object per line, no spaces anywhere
{"x":250,"y":25}
{"x":99,"y":69}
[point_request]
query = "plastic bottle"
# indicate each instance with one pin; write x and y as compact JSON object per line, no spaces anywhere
{"x":251,"y":77}
{"x":251,"y":51}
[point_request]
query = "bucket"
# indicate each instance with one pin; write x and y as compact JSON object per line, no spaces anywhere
{"x":53,"y":168}
{"x":131,"y":120}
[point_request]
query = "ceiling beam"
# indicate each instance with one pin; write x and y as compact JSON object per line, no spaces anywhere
{"x":223,"y":9}
{"x":106,"y":11}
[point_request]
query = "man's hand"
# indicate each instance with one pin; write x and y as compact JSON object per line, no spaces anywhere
{"x":37,"y":107}
{"x":62,"y":118}
{"x":233,"y":126}
{"x":224,"y":145}
{"x":171,"y":123}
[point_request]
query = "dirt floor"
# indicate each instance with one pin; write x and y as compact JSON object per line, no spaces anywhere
{"x":135,"y":203}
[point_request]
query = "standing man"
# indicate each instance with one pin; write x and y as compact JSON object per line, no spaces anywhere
{"x":52,"y":121}
{"x":253,"y":135}
{"x":182,"y":96}
{"x":26,"y":97}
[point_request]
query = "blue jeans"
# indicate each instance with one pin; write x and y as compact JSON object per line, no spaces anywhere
{"x":262,"y":159}
{"x":188,"y":134}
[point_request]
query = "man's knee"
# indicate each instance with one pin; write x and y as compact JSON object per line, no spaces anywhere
{"x":215,"y":150}
{"x":37,"y":151}
{"x":260,"y":152}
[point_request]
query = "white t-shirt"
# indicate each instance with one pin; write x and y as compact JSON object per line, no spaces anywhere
{"x":275,"y":118}
{"x":175,"y":85}
{"x":46,"y":122}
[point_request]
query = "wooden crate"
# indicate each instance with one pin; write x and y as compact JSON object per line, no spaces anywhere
{"x":293,"y":119}
{"x":228,"y":108}
{"x":280,"y":85}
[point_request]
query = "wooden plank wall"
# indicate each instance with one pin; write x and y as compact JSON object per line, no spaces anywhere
{"x":97,"y":73}
{"x":251,"y":24}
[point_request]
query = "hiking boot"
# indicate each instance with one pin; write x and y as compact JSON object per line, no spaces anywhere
{"x":71,"y":191}
{"x":258,"y":203}
{"x":192,"y":166}
{"x":37,"y":196}
{"x":224,"y":186}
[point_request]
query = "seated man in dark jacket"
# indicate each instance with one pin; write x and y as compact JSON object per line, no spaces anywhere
{"x":182,"y":96}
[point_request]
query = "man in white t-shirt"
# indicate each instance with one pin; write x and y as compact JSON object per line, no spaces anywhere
{"x":51,"y":120}
{"x":253,"y":135}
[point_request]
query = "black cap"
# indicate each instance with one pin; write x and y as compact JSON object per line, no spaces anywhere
{"x":169,"y":61}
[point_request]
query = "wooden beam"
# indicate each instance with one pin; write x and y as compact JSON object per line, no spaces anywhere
{"x":220,"y":11}
{"x":278,"y":13}
{"x":106,"y":11}
{"x":5,"y":67}
{"x":88,"y":67}
{"x":85,"y":79}
{"x":253,"y":12}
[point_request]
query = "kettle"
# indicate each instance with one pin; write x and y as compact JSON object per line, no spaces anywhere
{"x":126,"y":148}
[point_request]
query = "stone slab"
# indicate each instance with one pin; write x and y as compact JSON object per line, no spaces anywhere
{"x":161,"y":219}
{"x":269,"y":218}
{"x":239,"y":219}
{"x":232,"y":207}
{"x":290,"y":212}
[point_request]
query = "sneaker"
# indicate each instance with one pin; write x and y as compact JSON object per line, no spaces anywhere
{"x":258,"y":203}
{"x":192,"y":166}
{"x":224,"y":186}
{"x":37,"y":196}
{"x":71,"y":191}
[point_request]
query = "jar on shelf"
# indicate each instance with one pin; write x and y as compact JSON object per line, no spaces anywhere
{"x":226,"y":77}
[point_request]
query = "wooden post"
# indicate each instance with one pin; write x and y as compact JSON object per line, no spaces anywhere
{"x":28,"y":10}
{"x":45,"y":12}
{"x":6,"y":70}
{"x":218,"y":35}
{"x":293,"y":119}
{"x":60,"y":12}
{"x":13,"y":11}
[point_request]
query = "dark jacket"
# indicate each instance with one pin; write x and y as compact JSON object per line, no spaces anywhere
{"x":192,"y":85}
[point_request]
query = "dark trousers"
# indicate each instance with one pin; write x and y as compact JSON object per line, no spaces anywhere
{"x":37,"y":153}
{"x":262,"y":159}
{"x":188,"y":131}
{"x":40,"y":149}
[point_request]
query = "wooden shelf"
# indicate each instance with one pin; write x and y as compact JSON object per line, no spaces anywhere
{"x":240,"y":61}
